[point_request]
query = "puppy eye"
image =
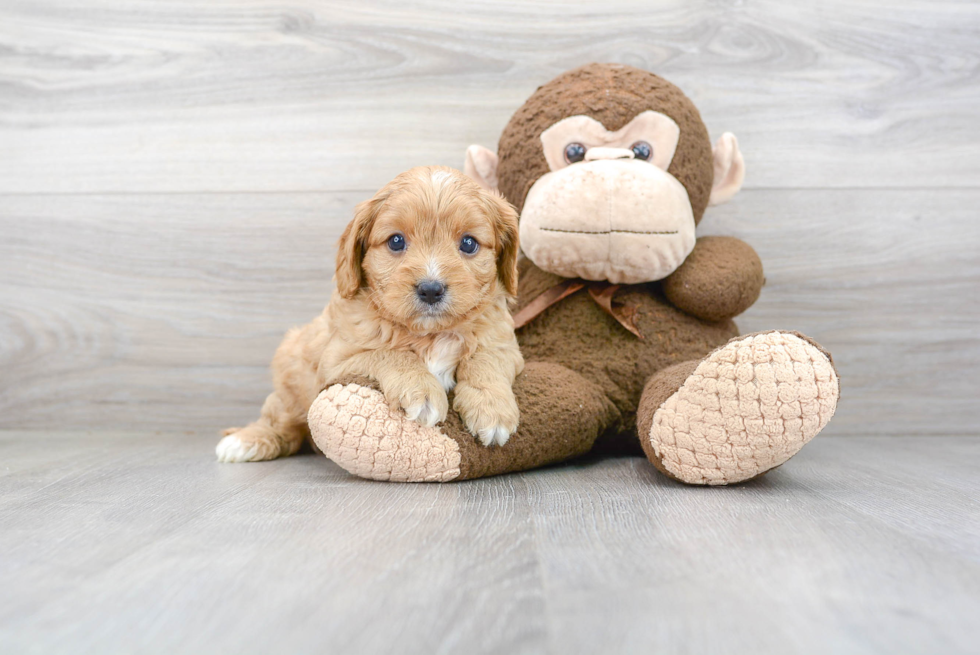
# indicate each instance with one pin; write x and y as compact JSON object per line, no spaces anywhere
{"x":396,"y":243}
{"x":468,"y":245}
{"x":642,"y":150}
{"x":574,"y":152}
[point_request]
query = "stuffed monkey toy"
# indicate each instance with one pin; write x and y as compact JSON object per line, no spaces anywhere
{"x":624,"y":317}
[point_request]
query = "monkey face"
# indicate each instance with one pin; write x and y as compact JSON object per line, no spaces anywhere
{"x":611,"y":168}
{"x":608,"y":209}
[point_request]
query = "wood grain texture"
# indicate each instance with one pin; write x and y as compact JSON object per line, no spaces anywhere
{"x":141,"y":543}
{"x":163,"y":311}
{"x":155,"y":310}
{"x":237,"y":95}
{"x":174,"y":176}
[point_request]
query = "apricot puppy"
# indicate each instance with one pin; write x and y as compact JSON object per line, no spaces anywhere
{"x":424,"y":275}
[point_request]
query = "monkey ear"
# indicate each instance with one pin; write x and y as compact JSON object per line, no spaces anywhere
{"x":729,"y":169}
{"x":349,"y":274}
{"x":481,"y":167}
{"x":506,"y":227}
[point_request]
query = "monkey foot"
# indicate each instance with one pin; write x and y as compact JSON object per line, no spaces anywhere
{"x":562,"y":414}
{"x":355,"y":427}
{"x":744,"y":409}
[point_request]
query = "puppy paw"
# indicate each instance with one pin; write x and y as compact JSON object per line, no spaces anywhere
{"x":254,"y":443}
{"x":423,"y":400}
{"x":245,"y":447}
{"x":491,"y":415}
{"x":231,"y":449}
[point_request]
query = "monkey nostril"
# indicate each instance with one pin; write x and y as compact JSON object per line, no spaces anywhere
{"x":430,"y":291}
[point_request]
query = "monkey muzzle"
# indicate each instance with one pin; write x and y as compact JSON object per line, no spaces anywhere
{"x":621,"y":220}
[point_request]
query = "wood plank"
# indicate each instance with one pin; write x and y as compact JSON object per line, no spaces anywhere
{"x":769,"y":566}
{"x":129,"y":296}
{"x":160,"y":549}
{"x":163,"y":311}
{"x":20,"y":454}
{"x":112,"y":501}
{"x":246,"y":96}
{"x":941,"y":507}
{"x":164,"y":550}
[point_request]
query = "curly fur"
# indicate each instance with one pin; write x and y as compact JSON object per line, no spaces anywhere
{"x":376,"y":326}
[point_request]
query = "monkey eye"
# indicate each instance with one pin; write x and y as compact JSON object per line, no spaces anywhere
{"x":468,"y":245}
{"x":396,"y":243}
{"x":642,"y":150}
{"x":574,"y":152}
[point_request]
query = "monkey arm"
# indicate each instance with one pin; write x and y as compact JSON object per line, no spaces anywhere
{"x":720,"y":279}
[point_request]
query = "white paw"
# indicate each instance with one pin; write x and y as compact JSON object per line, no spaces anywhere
{"x":231,"y":449}
{"x":497,"y":434}
{"x":425,"y":413}
{"x":490,"y":415}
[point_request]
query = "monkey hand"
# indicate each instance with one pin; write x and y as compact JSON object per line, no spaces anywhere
{"x":720,"y":279}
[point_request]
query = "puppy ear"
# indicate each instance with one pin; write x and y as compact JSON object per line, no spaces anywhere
{"x":350,"y":251}
{"x":504,"y":218}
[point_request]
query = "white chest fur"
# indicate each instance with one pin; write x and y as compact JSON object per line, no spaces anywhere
{"x":442,"y":357}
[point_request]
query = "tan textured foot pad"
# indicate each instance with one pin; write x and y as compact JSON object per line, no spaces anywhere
{"x":354,"y":426}
{"x":747,"y":408}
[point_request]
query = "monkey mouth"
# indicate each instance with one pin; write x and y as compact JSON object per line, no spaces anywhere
{"x":655,"y":232}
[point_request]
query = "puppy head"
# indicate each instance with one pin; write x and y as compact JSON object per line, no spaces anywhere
{"x":431,"y":249}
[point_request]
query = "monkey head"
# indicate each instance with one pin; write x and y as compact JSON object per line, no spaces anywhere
{"x":611,"y":169}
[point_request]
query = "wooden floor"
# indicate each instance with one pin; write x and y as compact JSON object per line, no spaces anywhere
{"x":141,"y":543}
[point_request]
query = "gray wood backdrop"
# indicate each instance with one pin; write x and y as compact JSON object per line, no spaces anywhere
{"x":174,"y":176}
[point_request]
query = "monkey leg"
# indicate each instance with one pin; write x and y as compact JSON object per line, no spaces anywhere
{"x":742,"y":410}
{"x":562,"y":414}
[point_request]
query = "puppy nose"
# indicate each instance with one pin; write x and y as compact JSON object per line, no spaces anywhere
{"x":430,"y":291}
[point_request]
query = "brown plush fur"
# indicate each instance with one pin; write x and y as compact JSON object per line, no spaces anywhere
{"x":545,"y":392}
{"x":589,"y":382}
{"x":613,"y":94}
{"x":375,"y":326}
{"x":578,"y":355}
{"x":579,"y":335}
{"x":721,"y":278}
{"x":685,"y":316}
